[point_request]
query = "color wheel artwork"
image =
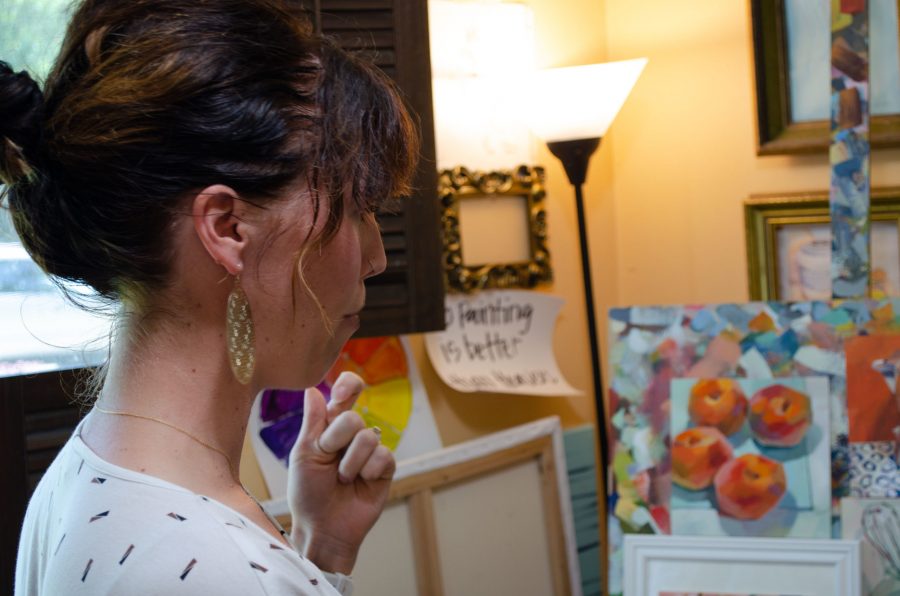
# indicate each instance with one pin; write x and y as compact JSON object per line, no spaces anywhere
{"x":394,"y":400}
{"x":650,"y":347}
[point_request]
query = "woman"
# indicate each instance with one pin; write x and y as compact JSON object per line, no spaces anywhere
{"x":212,"y":167}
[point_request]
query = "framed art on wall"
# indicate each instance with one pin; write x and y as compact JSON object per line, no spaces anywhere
{"x":789,"y":245}
{"x":479,"y":254}
{"x":791,"y":62}
{"x":692,"y":565}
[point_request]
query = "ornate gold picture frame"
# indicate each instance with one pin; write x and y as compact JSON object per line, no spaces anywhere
{"x":460,"y":184}
{"x":789,"y":245}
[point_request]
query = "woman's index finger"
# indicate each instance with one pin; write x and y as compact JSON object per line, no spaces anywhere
{"x":344,"y":393}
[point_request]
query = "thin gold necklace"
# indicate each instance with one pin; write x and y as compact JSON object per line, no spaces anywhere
{"x":172,"y":426}
{"x":268,"y":517}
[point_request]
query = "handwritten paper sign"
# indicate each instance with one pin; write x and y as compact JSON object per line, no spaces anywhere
{"x":501,"y":342}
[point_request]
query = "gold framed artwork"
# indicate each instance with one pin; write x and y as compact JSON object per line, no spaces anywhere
{"x":494,"y":228}
{"x":789,"y":245}
{"x":791,"y":42}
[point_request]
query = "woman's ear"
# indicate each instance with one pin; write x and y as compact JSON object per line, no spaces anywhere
{"x":218,"y":216}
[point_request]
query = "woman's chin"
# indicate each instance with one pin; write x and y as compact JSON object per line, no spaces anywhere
{"x":316,"y":363}
{"x":351,"y":321}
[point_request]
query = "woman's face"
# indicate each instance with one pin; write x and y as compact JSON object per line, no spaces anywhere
{"x":295,"y":346}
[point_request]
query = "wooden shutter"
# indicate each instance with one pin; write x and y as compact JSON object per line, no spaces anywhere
{"x":409,"y":296}
{"x":37,"y":417}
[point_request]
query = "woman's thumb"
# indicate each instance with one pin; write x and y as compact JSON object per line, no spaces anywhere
{"x":314,"y":420}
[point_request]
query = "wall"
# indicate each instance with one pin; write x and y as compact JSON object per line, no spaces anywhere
{"x":568,"y":32}
{"x":665,"y":190}
{"x":691,"y":123}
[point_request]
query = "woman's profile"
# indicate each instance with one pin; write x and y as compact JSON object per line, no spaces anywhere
{"x":212,"y":168}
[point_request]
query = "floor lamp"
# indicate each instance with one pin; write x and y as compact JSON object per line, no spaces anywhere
{"x":574,"y":109}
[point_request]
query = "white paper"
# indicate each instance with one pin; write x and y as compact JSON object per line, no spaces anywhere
{"x":499,"y":341}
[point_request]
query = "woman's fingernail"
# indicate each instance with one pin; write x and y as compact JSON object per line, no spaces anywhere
{"x":343,"y":479}
{"x":345,"y":386}
{"x":340,"y":394}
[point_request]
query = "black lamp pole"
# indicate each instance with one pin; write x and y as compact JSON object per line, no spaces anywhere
{"x":575,"y":156}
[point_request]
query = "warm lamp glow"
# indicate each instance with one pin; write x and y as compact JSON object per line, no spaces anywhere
{"x":580,"y":102}
{"x":480,"y":39}
{"x":481,"y":52}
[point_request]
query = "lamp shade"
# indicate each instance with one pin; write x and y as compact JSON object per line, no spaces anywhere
{"x":580,"y":102}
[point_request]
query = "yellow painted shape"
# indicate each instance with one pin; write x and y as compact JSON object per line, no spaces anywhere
{"x":388,"y":406}
{"x":838,"y":152}
{"x":839,"y":20}
{"x":884,"y":313}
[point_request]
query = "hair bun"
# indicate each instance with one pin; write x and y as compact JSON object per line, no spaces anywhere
{"x":21,"y":104}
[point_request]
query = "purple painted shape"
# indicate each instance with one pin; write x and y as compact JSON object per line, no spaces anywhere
{"x":283,"y":409}
{"x":275,"y":403}
{"x":280,"y":436}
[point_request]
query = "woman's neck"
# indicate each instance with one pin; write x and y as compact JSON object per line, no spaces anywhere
{"x":188,"y":413}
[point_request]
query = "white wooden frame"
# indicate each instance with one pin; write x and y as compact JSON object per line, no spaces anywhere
{"x":656,"y":563}
{"x":417,"y":478}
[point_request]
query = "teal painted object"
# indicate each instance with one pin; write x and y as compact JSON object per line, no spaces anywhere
{"x":581,"y":467}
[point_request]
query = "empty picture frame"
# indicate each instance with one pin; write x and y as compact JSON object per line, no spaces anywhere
{"x":789,"y":245}
{"x":657,"y":564}
{"x":531,"y":265}
{"x":791,"y":54}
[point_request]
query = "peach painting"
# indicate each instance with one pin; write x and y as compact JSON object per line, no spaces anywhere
{"x":750,"y":457}
{"x":873,"y":395}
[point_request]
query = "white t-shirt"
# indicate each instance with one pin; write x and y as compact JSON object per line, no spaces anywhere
{"x":96,"y":528}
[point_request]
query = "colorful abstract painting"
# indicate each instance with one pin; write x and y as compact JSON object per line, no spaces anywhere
{"x":652,"y":346}
{"x":874,"y":471}
{"x":873,"y":408}
{"x":394,"y":400}
{"x":876,"y":524}
{"x":873,"y":395}
{"x":849,"y":149}
{"x":750,"y":457}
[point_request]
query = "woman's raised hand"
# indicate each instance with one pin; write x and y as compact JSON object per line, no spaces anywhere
{"x":339,"y":475}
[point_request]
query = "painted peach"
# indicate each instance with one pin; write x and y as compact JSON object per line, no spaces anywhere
{"x":749,"y":486}
{"x":779,"y":416}
{"x":719,"y":403}
{"x":697,"y":454}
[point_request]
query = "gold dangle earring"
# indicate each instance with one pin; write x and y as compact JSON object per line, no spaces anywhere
{"x":239,"y":329}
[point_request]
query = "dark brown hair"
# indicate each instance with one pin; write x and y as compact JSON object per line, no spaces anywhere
{"x":152,"y":99}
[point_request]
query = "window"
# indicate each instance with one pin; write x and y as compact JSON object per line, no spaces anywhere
{"x":41,"y":330}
